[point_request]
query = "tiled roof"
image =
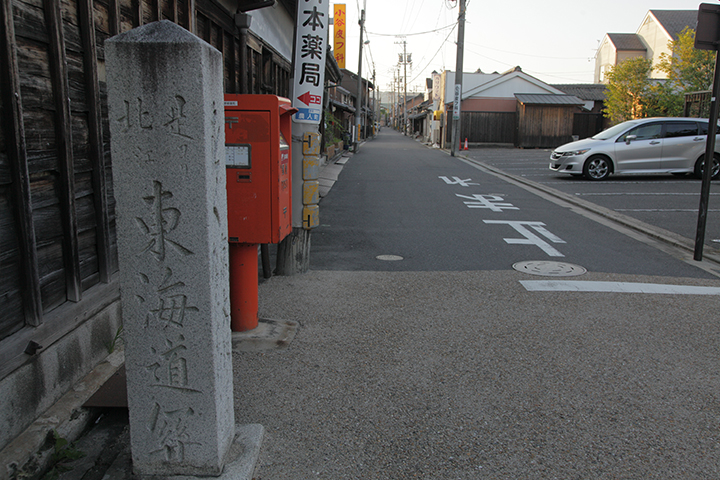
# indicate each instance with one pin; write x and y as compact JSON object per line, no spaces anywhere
{"x":547,"y":99}
{"x":584,"y":91}
{"x":674,"y":21}
{"x":627,"y":41}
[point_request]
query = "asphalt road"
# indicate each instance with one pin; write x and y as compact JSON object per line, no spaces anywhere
{"x":439,"y":213}
{"x":666,"y":201}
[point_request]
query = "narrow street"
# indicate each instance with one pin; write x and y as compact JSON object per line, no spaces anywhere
{"x":445,"y":214}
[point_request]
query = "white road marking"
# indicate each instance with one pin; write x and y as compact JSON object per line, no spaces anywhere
{"x":615,"y":287}
{"x":531,"y":238}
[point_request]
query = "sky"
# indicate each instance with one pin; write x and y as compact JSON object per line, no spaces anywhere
{"x":552,"y":40}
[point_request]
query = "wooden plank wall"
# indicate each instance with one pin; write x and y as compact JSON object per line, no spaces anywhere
{"x":57,"y":210}
{"x":489,"y":127}
{"x":587,"y":124}
{"x":544,"y":126}
{"x":486,"y":127}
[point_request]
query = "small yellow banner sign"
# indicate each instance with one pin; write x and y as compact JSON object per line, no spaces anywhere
{"x":339,"y":43}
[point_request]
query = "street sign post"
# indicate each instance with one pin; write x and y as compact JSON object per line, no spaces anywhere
{"x":707,"y":37}
{"x":456,"y":102}
{"x":309,"y":79}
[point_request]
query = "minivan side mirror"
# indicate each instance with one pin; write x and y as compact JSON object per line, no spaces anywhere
{"x":630,"y":138}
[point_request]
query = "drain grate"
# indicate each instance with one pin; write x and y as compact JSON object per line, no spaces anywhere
{"x":549,"y":269}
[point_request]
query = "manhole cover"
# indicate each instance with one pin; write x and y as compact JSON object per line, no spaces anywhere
{"x":389,"y":258}
{"x":549,"y":269}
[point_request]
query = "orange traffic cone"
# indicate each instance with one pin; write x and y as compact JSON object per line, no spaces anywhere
{"x":466,"y":147}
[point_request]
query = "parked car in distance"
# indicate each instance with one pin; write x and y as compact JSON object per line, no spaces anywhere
{"x":648,"y":145}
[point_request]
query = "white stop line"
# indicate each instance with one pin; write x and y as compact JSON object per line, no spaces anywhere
{"x":615,"y":287}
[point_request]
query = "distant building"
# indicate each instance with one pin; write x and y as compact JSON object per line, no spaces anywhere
{"x":510,"y":108}
{"x":658,"y":28}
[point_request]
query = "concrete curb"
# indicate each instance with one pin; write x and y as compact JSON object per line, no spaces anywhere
{"x":29,"y":453}
{"x":268,"y":335}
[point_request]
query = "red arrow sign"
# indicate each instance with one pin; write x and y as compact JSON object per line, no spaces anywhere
{"x":308,"y":99}
{"x":305,"y":98}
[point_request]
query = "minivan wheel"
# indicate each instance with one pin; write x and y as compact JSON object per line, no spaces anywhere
{"x":715,"y":167}
{"x":596,"y":168}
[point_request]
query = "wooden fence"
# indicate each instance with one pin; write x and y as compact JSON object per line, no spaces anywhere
{"x":587,"y":124}
{"x":544,"y":126}
{"x":486,"y":127}
{"x":697,"y":104}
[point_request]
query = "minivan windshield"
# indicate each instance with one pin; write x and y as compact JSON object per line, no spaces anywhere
{"x":612,"y":131}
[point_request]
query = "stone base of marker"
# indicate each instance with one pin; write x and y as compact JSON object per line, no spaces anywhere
{"x":268,"y":335}
{"x":244,"y":454}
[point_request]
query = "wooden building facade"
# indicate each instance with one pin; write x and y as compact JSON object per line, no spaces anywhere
{"x":545,"y":121}
{"x":59,"y":304}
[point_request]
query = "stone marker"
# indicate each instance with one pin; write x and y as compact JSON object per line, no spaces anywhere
{"x":167,"y":123}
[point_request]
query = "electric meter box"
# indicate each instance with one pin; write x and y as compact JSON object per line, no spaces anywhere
{"x":258,"y":166}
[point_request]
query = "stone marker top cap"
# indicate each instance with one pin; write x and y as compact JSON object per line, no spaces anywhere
{"x":163,"y":31}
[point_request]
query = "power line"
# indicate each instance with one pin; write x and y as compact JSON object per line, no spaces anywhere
{"x":420,"y":11}
{"x":412,"y":34}
{"x":526,"y":54}
{"x":433,"y":57}
{"x":526,"y":71}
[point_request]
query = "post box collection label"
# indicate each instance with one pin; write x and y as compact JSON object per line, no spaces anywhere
{"x":237,"y":156}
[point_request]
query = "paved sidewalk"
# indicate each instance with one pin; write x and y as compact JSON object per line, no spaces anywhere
{"x":467,"y":375}
{"x":330,"y":173}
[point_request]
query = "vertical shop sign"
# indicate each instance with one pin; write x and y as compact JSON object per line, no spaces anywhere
{"x":312,"y":32}
{"x":339,"y":27}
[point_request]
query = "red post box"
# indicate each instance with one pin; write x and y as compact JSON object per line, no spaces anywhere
{"x":257,"y":146}
{"x":259,"y":192}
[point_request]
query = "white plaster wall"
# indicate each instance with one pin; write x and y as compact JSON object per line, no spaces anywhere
{"x":604,"y":60}
{"x":628,"y":54}
{"x":656,"y":40}
{"x":470,"y":81}
{"x":272,"y":24}
{"x":275,"y":26}
{"x":515,"y":85}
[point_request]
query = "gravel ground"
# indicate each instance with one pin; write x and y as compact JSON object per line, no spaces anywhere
{"x":466,"y":375}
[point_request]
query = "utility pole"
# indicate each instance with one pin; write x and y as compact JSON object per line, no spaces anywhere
{"x":454,"y":138}
{"x":392,"y":105}
{"x":396,"y":97}
{"x":405,"y":59}
{"x":376,"y":111}
{"x":399,"y":89}
{"x":405,"y":88}
{"x":366,"y":113}
{"x":358,"y":101}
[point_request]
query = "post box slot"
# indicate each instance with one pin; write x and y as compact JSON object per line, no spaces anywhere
{"x":243,"y":176}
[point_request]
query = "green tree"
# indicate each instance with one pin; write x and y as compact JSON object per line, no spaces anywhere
{"x":687,"y":69}
{"x":662,"y":100}
{"x":628,"y":89}
{"x":632,"y":95}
